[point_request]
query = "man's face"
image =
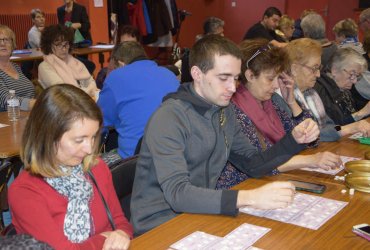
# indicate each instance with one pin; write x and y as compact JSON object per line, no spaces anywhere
{"x":218,"y":85}
{"x":271,"y":22}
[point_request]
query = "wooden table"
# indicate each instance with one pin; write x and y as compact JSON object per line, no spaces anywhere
{"x":38,"y":55}
{"x":334,"y":234}
{"x":11,"y":136}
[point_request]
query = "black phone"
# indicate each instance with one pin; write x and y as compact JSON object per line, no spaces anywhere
{"x":308,"y":186}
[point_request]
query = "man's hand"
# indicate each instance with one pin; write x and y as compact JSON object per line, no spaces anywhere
{"x":306,"y":132}
{"x":274,"y":195}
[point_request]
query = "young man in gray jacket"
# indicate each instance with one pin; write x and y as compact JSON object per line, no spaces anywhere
{"x":189,"y":139}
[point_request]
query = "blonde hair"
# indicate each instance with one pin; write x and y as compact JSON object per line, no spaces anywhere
{"x":9,"y":33}
{"x":346,"y":27}
{"x":53,"y":114}
{"x":285,"y":21}
{"x":301,"y":50}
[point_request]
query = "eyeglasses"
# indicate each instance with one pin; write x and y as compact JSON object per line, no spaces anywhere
{"x":62,"y":45}
{"x":353,"y":75}
{"x":313,"y":69}
{"x":259,"y":51}
{"x":6,"y":40}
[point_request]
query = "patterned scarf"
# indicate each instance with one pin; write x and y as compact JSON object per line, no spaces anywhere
{"x":265,"y":118}
{"x":311,"y":102}
{"x":78,"y":190}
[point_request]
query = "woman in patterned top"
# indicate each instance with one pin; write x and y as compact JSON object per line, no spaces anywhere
{"x":11,"y":76}
{"x":256,"y":107}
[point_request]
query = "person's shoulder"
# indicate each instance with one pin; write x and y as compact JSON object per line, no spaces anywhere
{"x":26,"y":181}
{"x":100,"y":168}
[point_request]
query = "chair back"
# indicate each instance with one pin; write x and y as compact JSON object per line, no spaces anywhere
{"x":123,"y":175}
{"x":109,"y":139}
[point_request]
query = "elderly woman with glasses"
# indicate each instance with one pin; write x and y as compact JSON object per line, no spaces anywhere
{"x":11,"y":76}
{"x":59,"y":66}
{"x":342,"y":102}
{"x":305,"y":59}
{"x":262,"y":121}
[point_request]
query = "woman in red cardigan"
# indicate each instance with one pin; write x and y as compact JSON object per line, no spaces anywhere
{"x":55,"y":199}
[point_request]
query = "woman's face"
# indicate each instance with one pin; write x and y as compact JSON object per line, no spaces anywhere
{"x":288,"y":31}
{"x":60,"y":49}
{"x":305,"y":74}
{"x":263,"y":86}
{"x":39,"y":20}
{"x":345,"y":78}
{"x":77,"y":142}
{"x":6,"y":45}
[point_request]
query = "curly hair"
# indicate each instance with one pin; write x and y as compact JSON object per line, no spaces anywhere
{"x":128,"y":30}
{"x":56,"y":33}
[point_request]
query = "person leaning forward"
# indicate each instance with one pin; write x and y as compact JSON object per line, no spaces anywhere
{"x":191,"y":136}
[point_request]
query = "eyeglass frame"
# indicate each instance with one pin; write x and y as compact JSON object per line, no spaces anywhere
{"x":259,"y":51}
{"x":6,"y":40}
{"x":313,"y":69}
{"x":61,"y":46}
{"x":351,"y":75}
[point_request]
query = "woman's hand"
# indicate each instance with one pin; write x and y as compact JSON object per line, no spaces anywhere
{"x":286,"y":84}
{"x":325,"y":160}
{"x":306,"y":131}
{"x":116,"y":240}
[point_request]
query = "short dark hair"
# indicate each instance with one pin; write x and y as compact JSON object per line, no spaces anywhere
{"x":129,"y":30}
{"x":269,"y":57}
{"x":270,"y":11}
{"x":127,"y":52}
{"x":34,"y":12}
{"x":55,"y":110}
{"x":203,"y":53}
{"x":54,"y":33}
{"x":211,"y":24}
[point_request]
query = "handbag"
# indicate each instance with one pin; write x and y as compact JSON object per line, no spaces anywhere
{"x":109,"y":214}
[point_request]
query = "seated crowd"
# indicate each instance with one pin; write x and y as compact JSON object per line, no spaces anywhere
{"x":245,"y":112}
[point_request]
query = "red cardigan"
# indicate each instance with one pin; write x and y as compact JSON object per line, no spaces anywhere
{"x":39,"y":210}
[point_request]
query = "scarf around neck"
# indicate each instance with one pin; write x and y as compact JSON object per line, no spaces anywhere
{"x":264,"y":118}
{"x":78,"y":190}
{"x":71,"y":71}
{"x":311,"y":101}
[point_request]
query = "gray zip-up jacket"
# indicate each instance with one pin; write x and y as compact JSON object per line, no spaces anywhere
{"x":186,"y":144}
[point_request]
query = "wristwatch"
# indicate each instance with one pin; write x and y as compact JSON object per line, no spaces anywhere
{"x":338,"y":128}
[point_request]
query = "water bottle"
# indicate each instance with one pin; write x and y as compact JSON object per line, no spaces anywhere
{"x":13,"y":106}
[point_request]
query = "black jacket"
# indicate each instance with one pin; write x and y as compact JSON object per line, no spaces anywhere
{"x":332,"y":97}
{"x":79,"y":15}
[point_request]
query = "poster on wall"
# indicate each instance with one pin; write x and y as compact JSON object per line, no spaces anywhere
{"x":98,"y":3}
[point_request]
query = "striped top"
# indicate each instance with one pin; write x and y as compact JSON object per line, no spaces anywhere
{"x":23,"y":87}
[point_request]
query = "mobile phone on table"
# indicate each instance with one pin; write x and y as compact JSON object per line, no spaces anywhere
{"x":362,"y":230}
{"x":308,"y":186}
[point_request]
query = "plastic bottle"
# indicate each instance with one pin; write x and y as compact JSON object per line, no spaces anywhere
{"x":13,"y":106}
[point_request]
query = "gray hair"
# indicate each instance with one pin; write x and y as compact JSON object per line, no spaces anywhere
{"x":211,"y":24}
{"x":313,"y":26}
{"x":347,"y":56}
{"x":365,"y":15}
